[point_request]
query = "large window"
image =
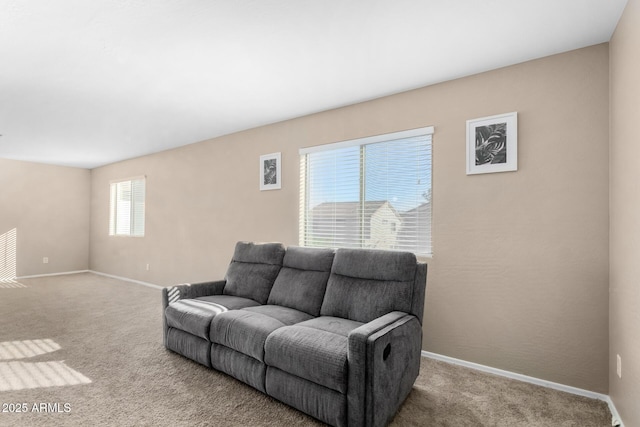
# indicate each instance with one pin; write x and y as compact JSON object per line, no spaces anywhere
{"x":368,"y":193}
{"x":126,"y":207}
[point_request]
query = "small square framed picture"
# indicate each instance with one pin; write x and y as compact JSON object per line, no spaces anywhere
{"x":270,"y":177}
{"x":492,"y":144}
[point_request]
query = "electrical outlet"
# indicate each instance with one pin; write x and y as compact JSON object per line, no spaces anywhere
{"x":45,"y":260}
{"x":148,"y":267}
{"x":618,"y":366}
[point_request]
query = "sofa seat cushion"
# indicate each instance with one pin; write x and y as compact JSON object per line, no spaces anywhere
{"x":247,"y":330}
{"x":315,"y":350}
{"x":194,"y":315}
{"x":229,"y":302}
{"x":286,"y":315}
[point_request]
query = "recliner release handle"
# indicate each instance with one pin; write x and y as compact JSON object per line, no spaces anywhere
{"x":386,"y":352}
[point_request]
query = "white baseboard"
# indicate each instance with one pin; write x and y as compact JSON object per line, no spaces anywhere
{"x":64,"y":273}
{"x":126,"y":279}
{"x":616,"y":421}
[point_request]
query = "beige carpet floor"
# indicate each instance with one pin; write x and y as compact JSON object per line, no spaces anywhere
{"x":85,"y":350}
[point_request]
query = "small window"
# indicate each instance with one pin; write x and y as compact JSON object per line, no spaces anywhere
{"x":126,"y":208}
{"x":371,"y":192}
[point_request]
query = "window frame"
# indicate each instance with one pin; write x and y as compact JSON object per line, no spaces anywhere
{"x":113,"y":209}
{"x":361,"y":142}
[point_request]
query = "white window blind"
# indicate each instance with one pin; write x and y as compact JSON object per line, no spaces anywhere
{"x":368,"y":193}
{"x":126,"y":208}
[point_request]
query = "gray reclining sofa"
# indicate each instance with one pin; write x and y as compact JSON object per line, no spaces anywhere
{"x":335,"y":334}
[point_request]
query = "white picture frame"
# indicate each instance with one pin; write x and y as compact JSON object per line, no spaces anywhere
{"x":492,"y":144}
{"x":270,"y":172}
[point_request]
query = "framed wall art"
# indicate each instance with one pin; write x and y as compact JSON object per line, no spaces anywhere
{"x":270,"y":176}
{"x":492,"y":144}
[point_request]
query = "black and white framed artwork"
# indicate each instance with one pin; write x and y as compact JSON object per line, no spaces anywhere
{"x":492,"y":144}
{"x":270,"y":172}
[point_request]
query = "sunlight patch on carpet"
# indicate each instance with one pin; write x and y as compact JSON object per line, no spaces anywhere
{"x":24,"y":375}
{"x":10,"y":350}
{"x":11,"y":284}
{"x":17,"y":375}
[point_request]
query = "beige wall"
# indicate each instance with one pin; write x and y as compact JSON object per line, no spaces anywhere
{"x":624,"y":299}
{"x":519,"y":278}
{"x":48,"y":206}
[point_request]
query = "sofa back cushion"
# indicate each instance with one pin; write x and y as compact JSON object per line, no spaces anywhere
{"x":253,"y":270}
{"x":302,"y":280}
{"x":366,"y":284}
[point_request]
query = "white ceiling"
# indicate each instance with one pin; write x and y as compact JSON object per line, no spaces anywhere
{"x":90,"y":82}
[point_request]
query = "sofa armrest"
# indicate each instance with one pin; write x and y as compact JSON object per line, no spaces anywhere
{"x":191,"y":290}
{"x":384,"y":362}
{"x":186,"y":291}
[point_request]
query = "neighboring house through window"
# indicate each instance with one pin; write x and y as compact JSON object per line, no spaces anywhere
{"x":126,"y":207}
{"x":372,"y":192}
